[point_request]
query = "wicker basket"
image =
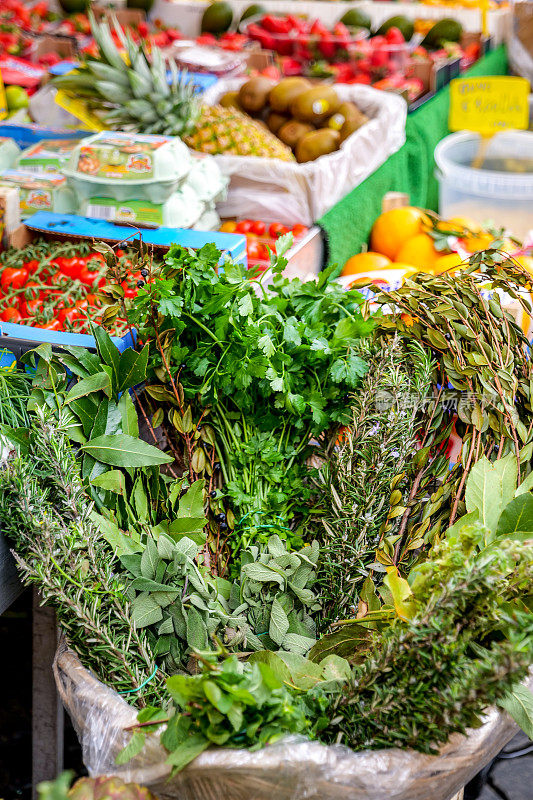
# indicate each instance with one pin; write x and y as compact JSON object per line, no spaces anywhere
{"x":293,"y":769}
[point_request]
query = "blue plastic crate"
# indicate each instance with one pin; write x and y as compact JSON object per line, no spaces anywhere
{"x":230,"y":244}
{"x":27,"y":134}
{"x":18,"y":339}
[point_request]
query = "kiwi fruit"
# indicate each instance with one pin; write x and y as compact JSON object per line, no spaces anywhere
{"x":292,"y":131}
{"x":349,"y":126}
{"x":316,"y":105}
{"x":230,"y":100}
{"x":317,"y":143}
{"x":275,"y":121}
{"x":283,"y":94}
{"x":345,"y":112}
{"x":253,"y":95}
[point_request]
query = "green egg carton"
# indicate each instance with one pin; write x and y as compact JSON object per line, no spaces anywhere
{"x":125,"y":166}
{"x":48,"y":155}
{"x":40,"y":191}
{"x":182,"y":210}
{"x":9,"y":151}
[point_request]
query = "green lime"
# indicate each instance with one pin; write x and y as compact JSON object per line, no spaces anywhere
{"x":16,"y":98}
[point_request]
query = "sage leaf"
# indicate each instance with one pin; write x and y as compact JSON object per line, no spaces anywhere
{"x":145,"y":611}
{"x":519,"y":704}
{"x":279,"y":623}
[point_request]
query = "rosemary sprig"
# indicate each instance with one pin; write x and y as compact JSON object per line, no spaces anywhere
{"x":45,"y":513}
{"x":464,"y":650}
{"x":366,"y":470}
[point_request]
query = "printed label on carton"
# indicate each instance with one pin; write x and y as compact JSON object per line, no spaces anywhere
{"x":120,"y":156}
{"x":107,"y":208}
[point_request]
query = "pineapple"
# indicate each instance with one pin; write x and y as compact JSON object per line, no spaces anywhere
{"x":130,"y":92}
{"x":229,"y":131}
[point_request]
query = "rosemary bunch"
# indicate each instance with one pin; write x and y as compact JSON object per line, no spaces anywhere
{"x":45,"y":513}
{"x":463,"y":651}
{"x":14,"y":395}
{"x":365,"y":469}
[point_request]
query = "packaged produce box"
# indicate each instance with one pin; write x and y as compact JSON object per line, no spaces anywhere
{"x":288,"y":192}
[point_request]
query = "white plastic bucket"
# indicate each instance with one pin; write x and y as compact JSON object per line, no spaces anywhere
{"x":504,"y":198}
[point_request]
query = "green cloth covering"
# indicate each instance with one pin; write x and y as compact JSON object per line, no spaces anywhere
{"x":411,"y":170}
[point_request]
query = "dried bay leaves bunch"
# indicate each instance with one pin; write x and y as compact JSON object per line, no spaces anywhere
{"x":483,"y":371}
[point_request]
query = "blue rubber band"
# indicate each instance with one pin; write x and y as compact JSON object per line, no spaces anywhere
{"x":143,"y":684}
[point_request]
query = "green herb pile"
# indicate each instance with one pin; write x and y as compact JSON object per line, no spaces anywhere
{"x":249,"y":523}
{"x":269,"y":369}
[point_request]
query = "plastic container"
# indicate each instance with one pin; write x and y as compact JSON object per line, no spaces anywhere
{"x":48,"y":155}
{"x":9,"y":151}
{"x":182,"y":210}
{"x":304,"y":46}
{"x":40,"y":192}
{"x":500,"y":195}
{"x":128,"y":166}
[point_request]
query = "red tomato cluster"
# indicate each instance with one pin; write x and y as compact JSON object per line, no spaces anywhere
{"x":232,"y":41}
{"x":58,"y":292}
{"x":260,"y":237}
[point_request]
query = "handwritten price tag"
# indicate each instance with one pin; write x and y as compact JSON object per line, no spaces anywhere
{"x":489,"y":104}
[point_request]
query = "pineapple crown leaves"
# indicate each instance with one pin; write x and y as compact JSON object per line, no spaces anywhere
{"x":131,"y":90}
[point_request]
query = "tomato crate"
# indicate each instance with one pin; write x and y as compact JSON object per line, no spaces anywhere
{"x":34,"y":316}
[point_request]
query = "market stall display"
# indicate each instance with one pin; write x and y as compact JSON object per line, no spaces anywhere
{"x":265,"y":416}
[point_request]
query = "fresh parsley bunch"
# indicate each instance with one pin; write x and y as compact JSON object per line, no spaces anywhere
{"x":273,"y":364}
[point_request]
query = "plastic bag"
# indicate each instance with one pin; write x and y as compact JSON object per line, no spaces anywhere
{"x":280,"y":191}
{"x":292,"y":769}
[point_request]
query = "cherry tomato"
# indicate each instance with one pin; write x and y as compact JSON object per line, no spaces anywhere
{"x":30,"y":308}
{"x":128,"y":291}
{"x":88,"y":275}
{"x":10,"y":315}
{"x":254,"y":250}
{"x":68,"y":315}
{"x":244,"y":226}
{"x":258,"y":227}
{"x":13,"y":277}
{"x":299,"y":230}
{"x":93,"y":257}
{"x":32,"y":265}
{"x":54,"y":325}
{"x":277,"y":229}
{"x":119,"y":253}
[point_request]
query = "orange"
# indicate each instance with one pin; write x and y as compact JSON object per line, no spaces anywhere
{"x":480,"y":242}
{"x":465,"y":222}
{"x":445,"y":263}
{"x":365,"y":261}
{"x":408,"y":269}
{"x":419,"y":251}
{"x":393,"y":228}
{"x":526,"y":262}
{"x":228,"y":227}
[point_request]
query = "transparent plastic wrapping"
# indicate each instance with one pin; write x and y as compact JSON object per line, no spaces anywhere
{"x":287,"y":192}
{"x":293,"y":769}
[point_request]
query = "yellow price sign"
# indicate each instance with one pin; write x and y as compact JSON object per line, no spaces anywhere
{"x":489,"y":104}
{"x":3,"y":101}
